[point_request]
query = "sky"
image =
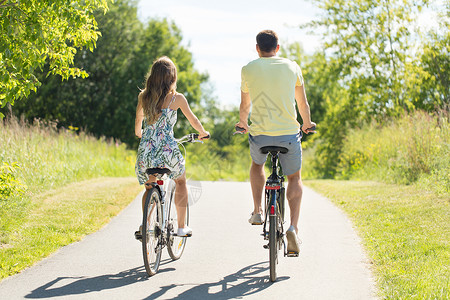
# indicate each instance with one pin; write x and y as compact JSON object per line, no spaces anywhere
{"x":221,"y":35}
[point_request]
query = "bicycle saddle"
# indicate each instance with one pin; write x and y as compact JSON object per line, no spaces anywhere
{"x":267,"y":149}
{"x":158,"y":171}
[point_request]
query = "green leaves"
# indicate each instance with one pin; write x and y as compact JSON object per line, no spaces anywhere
{"x":9,"y":185}
{"x":104,"y":104}
{"x":375,"y":64}
{"x":35,"y":32}
{"x":371,"y":42}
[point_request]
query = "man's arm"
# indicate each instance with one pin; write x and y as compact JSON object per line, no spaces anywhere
{"x":244,"y":111}
{"x":303,"y":108}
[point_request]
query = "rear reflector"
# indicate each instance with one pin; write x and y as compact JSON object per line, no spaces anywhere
{"x":272,"y":210}
{"x":273,"y":187}
{"x":160,"y":182}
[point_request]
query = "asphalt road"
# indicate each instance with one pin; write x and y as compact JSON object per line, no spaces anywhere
{"x":224,"y":259}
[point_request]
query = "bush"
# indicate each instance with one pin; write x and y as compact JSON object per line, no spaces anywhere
{"x":412,"y":149}
{"x":9,"y":185}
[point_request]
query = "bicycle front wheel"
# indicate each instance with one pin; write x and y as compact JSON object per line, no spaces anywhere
{"x":176,"y":244}
{"x":152,"y":231}
{"x":273,"y":239}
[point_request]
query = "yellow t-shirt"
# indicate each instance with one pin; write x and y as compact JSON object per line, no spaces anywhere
{"x":271,"y":82}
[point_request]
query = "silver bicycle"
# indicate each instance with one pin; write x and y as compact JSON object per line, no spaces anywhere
{"x":160,"y":221}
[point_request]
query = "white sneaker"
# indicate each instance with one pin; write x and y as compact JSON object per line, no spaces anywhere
{"x":255,"y":219}
{"x":293,"y":242}
{"x":184,"y":232}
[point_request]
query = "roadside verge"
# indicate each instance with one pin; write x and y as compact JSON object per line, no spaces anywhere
{"x":63,"y":216}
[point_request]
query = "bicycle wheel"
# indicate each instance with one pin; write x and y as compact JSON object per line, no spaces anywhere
{"x":152,"y":232}
{"x":273,"y":239}
{"x":176,"y":244}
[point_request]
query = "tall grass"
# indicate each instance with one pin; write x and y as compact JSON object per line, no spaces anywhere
{"x":414,"y":149}
{"x":49,"y":158}
{"x":40,"y":157}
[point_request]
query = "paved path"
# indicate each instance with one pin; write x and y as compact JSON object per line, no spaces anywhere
{"x":223,"y":260}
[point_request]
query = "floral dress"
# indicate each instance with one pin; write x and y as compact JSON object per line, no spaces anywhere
{"x":158,"y":148}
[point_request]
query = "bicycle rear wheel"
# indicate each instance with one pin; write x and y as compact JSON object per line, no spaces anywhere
{"x":176,"y":244}
{"x":273,"y":238}
{"x":152,"y":231}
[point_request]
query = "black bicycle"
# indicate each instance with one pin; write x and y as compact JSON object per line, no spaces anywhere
{"x":160,"y":222}
{"x":274,"y":208}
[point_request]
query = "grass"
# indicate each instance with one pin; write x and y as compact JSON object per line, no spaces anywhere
{"x":63,"y":216}
{"x":414,"y":149}
{"x":56,"y":187}
{"x":406,"y":232}
{"x":49,"y":158}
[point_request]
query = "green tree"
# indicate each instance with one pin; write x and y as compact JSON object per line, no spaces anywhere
{"x":371,"y":67}
{"x":431,"y":75}
{"x":104,"y":103}
{"x":36,"y":32}
{"x":371,"y":43}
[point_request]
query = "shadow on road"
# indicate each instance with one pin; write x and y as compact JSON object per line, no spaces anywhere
{"x":247,"y":281}
{"x":64,"y":286}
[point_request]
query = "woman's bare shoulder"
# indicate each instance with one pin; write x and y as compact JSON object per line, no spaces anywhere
{"x":180,"y":100}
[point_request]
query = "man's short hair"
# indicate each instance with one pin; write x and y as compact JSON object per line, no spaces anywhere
{"x":267,"y":40}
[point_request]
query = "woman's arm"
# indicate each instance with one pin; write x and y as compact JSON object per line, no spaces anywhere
{"x":138,"y":121}
{"x":182,"y":103}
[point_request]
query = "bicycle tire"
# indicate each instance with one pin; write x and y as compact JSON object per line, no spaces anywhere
{"x":152,"y":231}
{"x":273,"y":241}
{"x":176,"y":244}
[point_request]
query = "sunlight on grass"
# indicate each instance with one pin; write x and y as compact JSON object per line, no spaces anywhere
{"x":406,"y":232}
{"x":63,"y":216}
{"x":37,"y":213}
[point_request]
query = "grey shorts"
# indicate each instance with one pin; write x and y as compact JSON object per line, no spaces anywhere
{"x":291,"y":162}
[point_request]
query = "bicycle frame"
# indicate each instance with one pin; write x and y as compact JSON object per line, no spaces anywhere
{"x":163,"y":188}
{"x":274,"y":194}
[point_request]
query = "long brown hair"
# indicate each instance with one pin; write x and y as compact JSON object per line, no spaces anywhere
{"x":160,"y":81}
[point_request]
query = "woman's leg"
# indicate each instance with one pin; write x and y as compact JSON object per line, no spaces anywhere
{"x":181,"y":199}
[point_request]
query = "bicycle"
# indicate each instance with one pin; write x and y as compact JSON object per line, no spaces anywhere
{"x":160,"y":223}
{"x":274,"y":208}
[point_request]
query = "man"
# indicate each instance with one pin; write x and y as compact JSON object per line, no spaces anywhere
{"x":271,"y":86}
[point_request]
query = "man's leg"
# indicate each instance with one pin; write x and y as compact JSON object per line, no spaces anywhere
{"x":294,"y":195}
{"x":257,"y":181}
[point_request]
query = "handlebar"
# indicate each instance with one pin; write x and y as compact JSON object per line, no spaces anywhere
{"x":191,"y":138}
{"x":240,"y":130}
{"x":311,"y":129}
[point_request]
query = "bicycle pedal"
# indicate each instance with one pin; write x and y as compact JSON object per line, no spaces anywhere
{"x":187,"y":235}
{"x":138,"y":235}
{"x":292,"y":254}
